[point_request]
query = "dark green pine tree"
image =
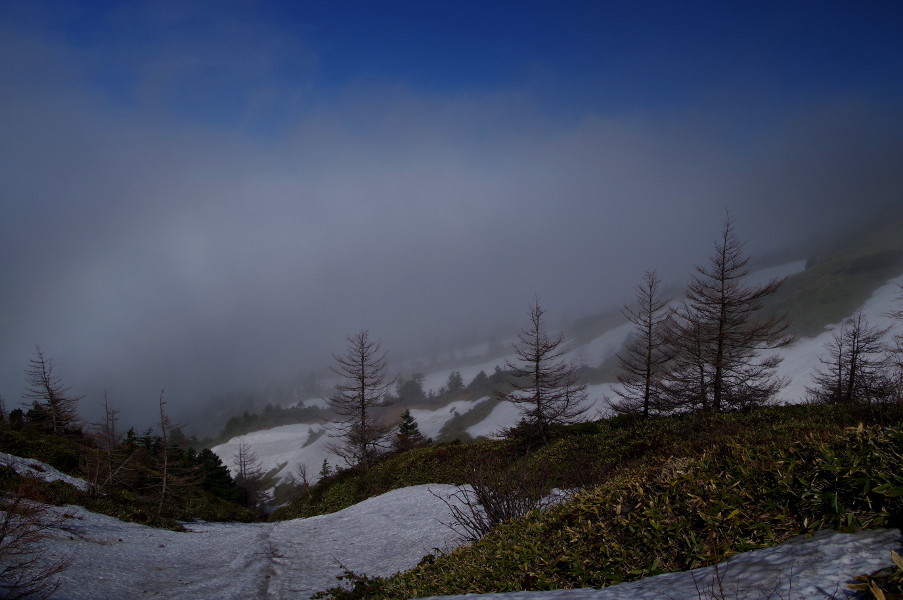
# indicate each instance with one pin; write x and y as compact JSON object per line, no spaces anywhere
{"x":455,"y":382}
{"x":325,"y":469}
{"x":215,"y":477}
{"x":479,"y":383}
{"x":409,"y":435}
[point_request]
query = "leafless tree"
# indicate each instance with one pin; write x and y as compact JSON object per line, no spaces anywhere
{"x":687,"y":382}
{"x":54,"y":407}
{"x":719,"y":338}
{"x":165,"y":426}
{"x":647,"y":352}
{"x":246,"y":462}
{"x":895,"y":353}
{"x":172,"y":474}
{"x":362,"y":389}
{"x":303,"y":484}
{"x":110,"y":459}
{"x":248,"y":474}
{"x":856,"y":367}
{"x":27,"y":568}
{"x":544,"y":386}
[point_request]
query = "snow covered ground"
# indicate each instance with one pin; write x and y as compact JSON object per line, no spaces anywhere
{"x":115,"y":560}
{"x":504,"y":414}
{"x":222,"y":561}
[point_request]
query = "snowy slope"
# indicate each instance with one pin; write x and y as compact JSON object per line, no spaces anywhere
{"x":221,"y":561}
{"x":288,"y":446}
{"x":504,"y":414}
{"x":285,"y":448}
{"x":801,"y":359}
{"x":431,"y":422}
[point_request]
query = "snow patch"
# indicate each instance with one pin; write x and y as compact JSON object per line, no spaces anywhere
{"x":291,"y":559}
{"x":315,"y":403}
{"x":29,"y":467}
{"x":504,"y":414}
{"x":763,"y":276}
{"x":285,"y":448}
{"x":431,"y":421}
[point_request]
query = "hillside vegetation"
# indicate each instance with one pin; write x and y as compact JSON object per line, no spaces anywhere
{"x":650,"y":496}
{"x":841,"y":273}
{"x":199,"y":485}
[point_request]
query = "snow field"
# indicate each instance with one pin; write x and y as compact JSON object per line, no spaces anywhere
{"x":285,"y":447}
{"x":504,"y":414}
{"x":115,"y":560}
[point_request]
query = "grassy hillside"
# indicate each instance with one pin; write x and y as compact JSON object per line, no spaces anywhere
{"x":656,"y":496}
{"x":842,"y":272}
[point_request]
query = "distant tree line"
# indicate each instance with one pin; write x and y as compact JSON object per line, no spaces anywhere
{"x":271,"y":416}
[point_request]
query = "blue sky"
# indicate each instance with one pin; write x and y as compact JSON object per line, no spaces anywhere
{"x":264,"y":63}
{"x":236,"y":186}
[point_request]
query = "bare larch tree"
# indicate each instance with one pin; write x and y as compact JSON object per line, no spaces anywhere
{"x":646,"y":354}
{"x":249,"y":475}
{"x":856,"y":366}
{"x":52,"y":404}
{"x":110,"y":458}
{"x":165,"y":472}
{"x":895,"y":354}
{"x":545,"y":387}
{"x":362,"y":389}
{"x":719,"y":339}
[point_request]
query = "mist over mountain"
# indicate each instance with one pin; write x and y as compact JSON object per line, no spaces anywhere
{"x":207,"y":200}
